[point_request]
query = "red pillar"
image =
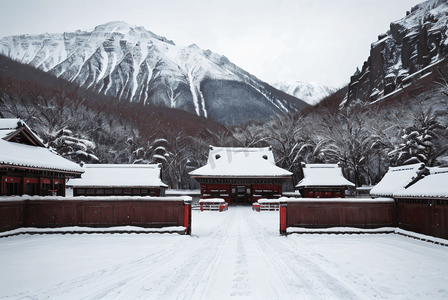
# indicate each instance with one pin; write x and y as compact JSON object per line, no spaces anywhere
{"x":187,"y":217}
{"x":283,"y":218}
{"x":23,"y":186}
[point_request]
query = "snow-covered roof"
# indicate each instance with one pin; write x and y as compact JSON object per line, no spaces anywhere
{"x":12,"y":127}
{"x":22,"y":155}
{"x":323,"y":175}
{"x":395,"y":180}
{"x":9,"y":123}
{"x":430,"y":186}
{"x":100,"y":175}
{"x":240,"y":162}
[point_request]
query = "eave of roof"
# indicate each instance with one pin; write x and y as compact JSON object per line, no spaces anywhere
{"x":241,"y":176}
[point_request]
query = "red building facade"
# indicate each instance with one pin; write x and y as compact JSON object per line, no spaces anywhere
{"x":118,"y":180}
{"x":27,"y":166}
{"x":323,"y":181}
{"x":240,"y":175}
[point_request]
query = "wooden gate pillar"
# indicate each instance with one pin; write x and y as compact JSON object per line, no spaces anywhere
{"x":187,"y":216}
{"x":283,"y":206}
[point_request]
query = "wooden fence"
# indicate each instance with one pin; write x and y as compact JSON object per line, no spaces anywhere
{"x":148,"y":212}
{"x":426,"y":216}
{"x":11,"y":214}
{"x":326,"y":213}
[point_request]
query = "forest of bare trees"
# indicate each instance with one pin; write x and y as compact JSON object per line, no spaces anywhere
{"x":365,"y":139}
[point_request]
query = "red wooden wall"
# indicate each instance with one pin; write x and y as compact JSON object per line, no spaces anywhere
{"x":94,"y":213}
{"x":257,"y":191}
{"x":323,"y":192}
{"x":325,"y":214}
{"x":216,"y":191}
{"x":11,"y":215}
{"x":429,"y":217}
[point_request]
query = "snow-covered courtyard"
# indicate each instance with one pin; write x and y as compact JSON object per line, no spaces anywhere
{"x":237,"y":254}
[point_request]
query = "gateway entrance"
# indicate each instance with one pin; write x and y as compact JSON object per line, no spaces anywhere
{"x":240,"y":194}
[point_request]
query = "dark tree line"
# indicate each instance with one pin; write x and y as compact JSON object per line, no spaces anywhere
{"x":88,"y":128}
{"x":365,"y":139}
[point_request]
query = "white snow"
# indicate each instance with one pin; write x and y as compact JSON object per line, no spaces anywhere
{"x":241,"y":162}
{"x":414,"y":20}
{"x":373,"y":45}
{"x":323,"y":175}
{"x":113,"y":64}
{"x":395,"y":179}
{"x":184,"y":198}
{"x":104,"y":63}
{"x":344,"y":200}
{"x":237,"y":254}
{"x":340,"y":230}
{"x":77,"y":229}
{"x":101,"y":175}
{"x":136,"y":62}
{"x":183,"y":192}
{"x":212,"y":200}
{"x":431,"y":186}
{"x":15,"y":154}
{"x":310,"y":92}
{"x":10,"y":124}
{"x":193,"y":91}
{"x":375,"y":92}
{"x":274,"y":201}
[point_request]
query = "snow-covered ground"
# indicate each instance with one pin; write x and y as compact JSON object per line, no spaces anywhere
{"x":237,"y":254}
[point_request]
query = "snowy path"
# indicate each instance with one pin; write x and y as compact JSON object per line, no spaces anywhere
{"x":236,"y":254}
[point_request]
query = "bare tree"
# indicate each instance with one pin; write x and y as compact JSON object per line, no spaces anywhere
{"x":250,"y":134}
{"x":288,"y":136}
{"x":348,"y":141}
{"x":178,"y":155}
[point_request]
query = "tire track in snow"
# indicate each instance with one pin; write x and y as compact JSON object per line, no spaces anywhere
{"x":178,"y":276}
{"x":110,"y":281}
{"x":314,"y":282}
{"x":238,"y":271}
{"x":241,"y":278}
{"x":284,"y":279}
{"x":198,"y":280}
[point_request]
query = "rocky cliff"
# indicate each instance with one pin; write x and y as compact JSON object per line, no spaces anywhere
{"x":408,"y":54}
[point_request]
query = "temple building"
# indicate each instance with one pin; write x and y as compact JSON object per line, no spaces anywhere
{"x":240,"y":175}
{"x":27,"y":166}
{"x":430,"y":187}
{"x":118,"y":180}
{"x":398,"y":178}
{"x":323,"y":181}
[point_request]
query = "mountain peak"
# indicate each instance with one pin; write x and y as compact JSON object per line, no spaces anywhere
{"x":124,"y":28}
{"x":113,"y":24}
{"x":310,"y":92}
{"x":193,"y":46}
{"x":133,"y":64}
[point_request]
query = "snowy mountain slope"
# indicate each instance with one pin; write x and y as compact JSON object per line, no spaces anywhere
{"x":310,"y":92}
{"x":406,"y":55}
{"x":132,"y":63}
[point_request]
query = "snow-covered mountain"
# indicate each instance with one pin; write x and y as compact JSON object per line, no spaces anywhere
{"x":132,"y":63}
{"x":310,"y":92}
{"x":410,"y":54}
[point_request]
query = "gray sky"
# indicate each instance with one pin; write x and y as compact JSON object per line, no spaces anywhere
{"x":308,"y":40}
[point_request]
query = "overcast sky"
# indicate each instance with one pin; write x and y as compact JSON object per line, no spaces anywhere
{"x":308,"y":40}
